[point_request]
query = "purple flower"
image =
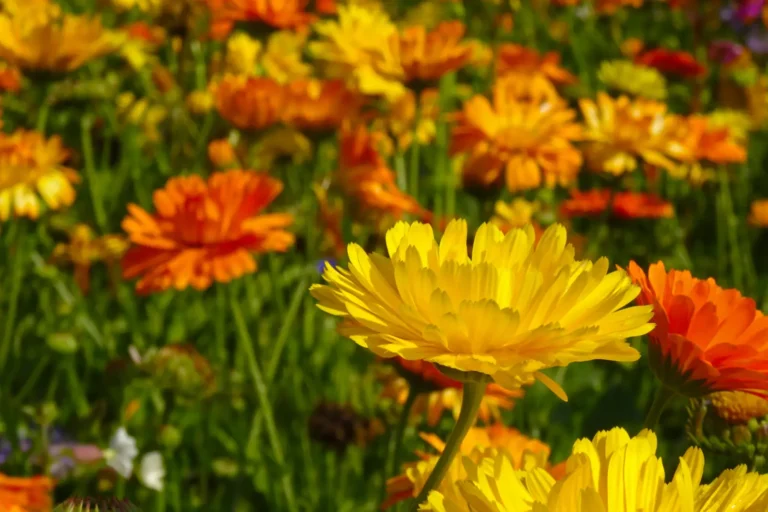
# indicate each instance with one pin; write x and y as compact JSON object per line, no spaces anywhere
{"x":749,"y":10}
{"x":66,"y":456}
{"x":725,"y":52}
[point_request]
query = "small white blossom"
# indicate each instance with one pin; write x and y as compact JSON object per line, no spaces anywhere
{"x":152,"y":471}
{"x":122,"y":452}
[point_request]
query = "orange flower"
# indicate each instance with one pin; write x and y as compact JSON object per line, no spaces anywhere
{"x":706,"y":338}
{"x":10,"y":78}
{"x":427,"y":56}
{"x":221,"y":153}
{"x":84,"y":249}
{"x":528,"y":141}
{"x":275,"y":13}
{"x":631,"y":47}
{"x":625,"y":205}
{"x":249,"y":103}
{"x":759,"y":213}
{"x":319,"y":104}
{"x":737,"y":406}
{"x":672,"y":62}
{"x":399,"y":120}
{"x":204,"y":231}
{"x":25,"y":494}
{"x":140,"y":30}
{"x":710,"y":143}
{"x":523,"y":61}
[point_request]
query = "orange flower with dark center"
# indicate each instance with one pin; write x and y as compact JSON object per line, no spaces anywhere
{"x":624,"y":205}
{"x":249,"y":103}
{"x":25,"y":494}
{"x":275,"y":13}
{"x":204,"y":231}
{"x":706,"y":338}
{"x":427,"y":56}
{"x":319,"y":104}
{"x":672,"y":62}
{"x":522,"y":61}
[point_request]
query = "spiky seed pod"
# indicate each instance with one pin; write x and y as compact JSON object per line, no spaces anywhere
{"x":96,"y":505}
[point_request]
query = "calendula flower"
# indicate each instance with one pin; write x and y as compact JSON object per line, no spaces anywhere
{"x":627,"y":77}
{"x":428,"y":55}
{"x":738,"y":123}
{"x":399,"y":120}
{"x":140,"y":112}
{"x":221,"y":153}
{"x":672,"y":62}
{"x":31,"y":170}
{"x":199,"y":102}
{"x":520,"y":61}
{"x":631,"y":47}
{"x":524,"y":453}
{"x":706,"y":338}
{"x":516,"y":214}
{"x":282,"y":61}
{"x":737,"y":406}
{"x":620,"y":130}
{"x":10,"y":78}
{"x":758,"y":215}
{"x":319,"y":104}
{"x":612,"y":470}
{"x":275,"y":13}
{"x":25,"y":494}
{"x":141,"y":44}
{"x":204,"y":231}
{"x":611,"y":6}
{"x":85,"y":248}
{"x":249,"y":103}
{"x":242,"y":54}
{"x":529,"y":143}
{"x":362,"y":48}
{"x":538,"y":306}
{"x":624,"y":205}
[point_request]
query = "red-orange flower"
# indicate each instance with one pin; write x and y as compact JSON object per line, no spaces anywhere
{"x":10,"y":78}
{"x":249,"y":103}
{"x":520,"y":60}
{"x":706,"y":338}
{"x":625,"y":205}
{"x":25,"y":494}
{"x":672,"y":62}
{"x":275,"y":13}
{"x":429,"y":55}
{"x":204,"y":231}
{"x":319,"y":104}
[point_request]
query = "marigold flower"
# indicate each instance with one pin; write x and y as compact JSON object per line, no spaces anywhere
{"x":249,"y":103}
{"x":528,"y":142}
{"x":275,"y":13}
{"x":199,"y":102}
{"x":319,"y":104}
{"x":204,"y":231}
{"x":281,"y":60}
{"x":242,"y":54}
{"x":737,"y":406}
{"x":612,"y":470}
{"x":706,"y":338}
{"x":427,"y":56}
{"x":140,"y":112}
{"x":31,"y":169}
{"x":627,"y":77}
{"x":221,"y":153}
{"x":631,"y":47}
{"x":361,"y":48}
{"x":399,"y":120}
{"x":624,"y":205}
{"x":620,"y":130}
{"x":611,"y":6}
{"x":758,"y":215}
{"x":520,"y":60}
{"x":516,"y":214}
{"x":537,"y":307}
{"x":25,"y":494}
{"x":738,"y":123}
{"x":10,"y":78}
{"x":672,"y":62}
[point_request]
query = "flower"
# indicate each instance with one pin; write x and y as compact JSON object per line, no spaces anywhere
{"x":513,"y":215}
{"x":529,"y":142}
{"x":122,"y":452}
{"x":281,"y":60}
{"x":199,"y":102}
{"x":25,"y":494}
{"x":319,"y":104}
{"x":10,"y":78}
{"x":275,"y":13}
{"x":737,"y":406}
{"x":672,"y":62}
{"x":619,"y":130}
{"x":738,"y":123}
{"x":399,"y":120}
{"x":140,"y":112}
{"x":152,"y":471}
{"x":362,"y":48}
{"x":525,"y":454}
{"x":758,"y":215}
{"x":221,"y":153}
{"x":426,"y":56}
{"x":627,"y":77}
{"x":242,"y":54}
{"x":520,"y":60}
{"x":706,"y":338}
{"x":624,"y":205}
{"x":280,"y":143}
{"x":30,"y":170}
{"x":84,"y":249}
{"x":204,"y":231}
{"x":249,"y":103}
{"x":510,"y":309}
{"x":612,"y":471}
{"x":179,"y":368}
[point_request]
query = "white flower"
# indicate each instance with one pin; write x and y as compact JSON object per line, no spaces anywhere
{"x":152,"y":471}
{"x":122,"y":451}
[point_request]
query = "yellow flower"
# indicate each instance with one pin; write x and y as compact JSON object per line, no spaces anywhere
{"x":282,"y":59}
{"x":759,"y":213}
{"x":141,"y":113}
{"x":242,"y":54}
{"x":199,"y":102}
{"x":627,"y":77}
{"x":510,"y":309}
{"x":612,"y":472}
{"x":31,"y":169}
{"x":401,"y":117}
{"x":512,"y":215}
{"x":738,"y":123}
{"x":362,"y":48}
{"x":281,"y":142}
{"x":85,"y":248}
{"x":620,"y":130}
{"x":151,"y":6}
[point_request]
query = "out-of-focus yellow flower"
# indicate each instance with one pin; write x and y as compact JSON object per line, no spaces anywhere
{"x":514,"y":215}
{"x":242,"y":54}
{"x":31,"y":169}
{"x":151,"y":6}
{"x":278,"y":143}
{"x":737,"y":122}
{"x":541,"y":308}
{"x":620,"y":130}
{"x":141,"y":43}
{"x":399,"y":120}
{"x":140,"y":112}
{"x":199,"y":102}
{"x":362,"y":48}
{"x":627,"y":77}
{"x":85,"y":248}
{"x":738,"y":406}
{"x":759,"y":213}
{"x":757,"y":102}
{"x":427,"y":56}
{"x":632,"y":47}
{"x":36,"y":36}
{"x":221,"y":153}
{"x":282,"y":58}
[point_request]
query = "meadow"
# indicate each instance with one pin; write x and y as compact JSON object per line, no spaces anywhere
{"x":359,"y":255}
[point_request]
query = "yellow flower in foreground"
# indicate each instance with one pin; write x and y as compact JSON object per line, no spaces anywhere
{"x":516,"y":214}
{"x":510,"y":309}
{"x":609,"y":473}
{"x":635,"y":79}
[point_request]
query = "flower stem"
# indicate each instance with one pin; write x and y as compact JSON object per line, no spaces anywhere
{"x":396,"y":439}
{"x":18,"y":262}
{"x":470,"y":405}
{"x":660,"y":401}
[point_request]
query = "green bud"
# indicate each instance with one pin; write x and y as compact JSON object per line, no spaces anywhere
{"x":62,"y":342}
{"x":96,"y":505}
{"x":170,"y":437}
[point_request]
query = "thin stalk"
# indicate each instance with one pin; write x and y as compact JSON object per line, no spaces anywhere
{"x":732,"y":226}
{"x":90,"y":173}
{"x":413,"y":165}
{"x":660,"y":401}
{"x":396,"y":439}
{"x":18,"y":263}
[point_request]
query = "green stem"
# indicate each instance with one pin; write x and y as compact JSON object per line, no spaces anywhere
{"x":90,"y":173}
{"x":260,"y":388}
{"x":732,"y":226}
{"x":19,"y":239}
{"x":470,"y":405}
{"x":413,"y":165}
{"x":660,"y":401}
{"x":396,"y":440}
